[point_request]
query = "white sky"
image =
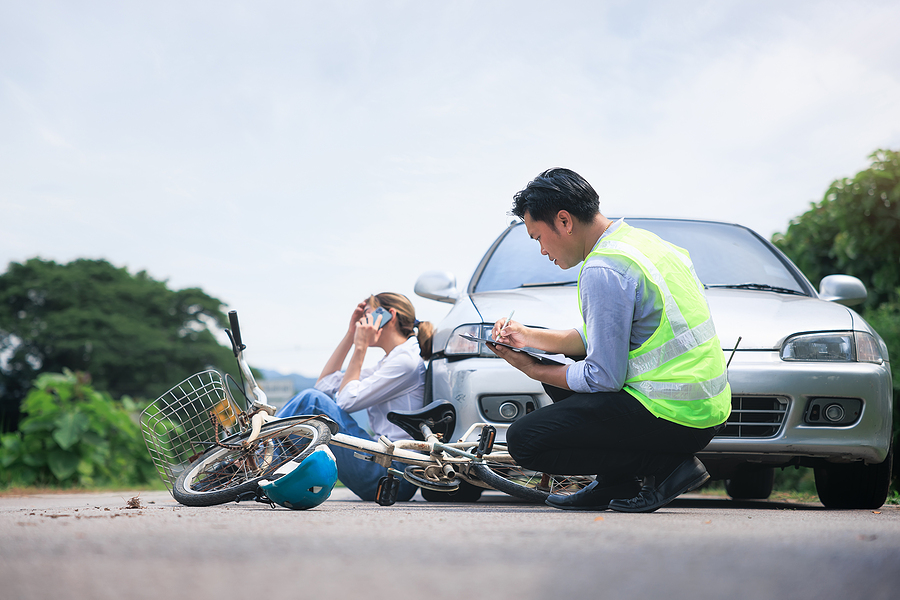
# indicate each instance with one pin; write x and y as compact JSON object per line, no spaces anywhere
{"x":291,"y":158}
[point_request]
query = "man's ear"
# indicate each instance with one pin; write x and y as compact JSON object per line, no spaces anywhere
{"x":564,"y":219}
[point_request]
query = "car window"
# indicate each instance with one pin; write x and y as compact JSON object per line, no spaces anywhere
{"x":722,"y":254}
{"x":517,"y":261}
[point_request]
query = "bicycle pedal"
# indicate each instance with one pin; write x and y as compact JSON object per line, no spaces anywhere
{"x":486,"y":440}
{"x":544,"y":484}
{"x":246,"y":496}
{"x":387,"y":491}
{"x":257,"y":496}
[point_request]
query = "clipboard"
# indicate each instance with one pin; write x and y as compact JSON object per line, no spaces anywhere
{"x":538,"y":355}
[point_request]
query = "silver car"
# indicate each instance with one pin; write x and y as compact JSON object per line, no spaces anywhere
{"x":810,"y":379}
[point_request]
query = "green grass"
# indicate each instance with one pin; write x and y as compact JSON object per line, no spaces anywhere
{"x":34,"y":490}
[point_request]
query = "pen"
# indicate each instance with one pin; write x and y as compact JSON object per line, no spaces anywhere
{"x":508,"y":319}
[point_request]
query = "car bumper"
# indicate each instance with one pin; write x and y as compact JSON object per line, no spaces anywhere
{"x":477,"y":386}
{"x":761,"y":374}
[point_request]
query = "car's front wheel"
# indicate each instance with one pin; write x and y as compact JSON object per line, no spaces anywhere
{"x":854,"y":485}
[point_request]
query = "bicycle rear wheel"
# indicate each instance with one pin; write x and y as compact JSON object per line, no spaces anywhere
{"x":223,"y":473}
{"x":526,"y":484}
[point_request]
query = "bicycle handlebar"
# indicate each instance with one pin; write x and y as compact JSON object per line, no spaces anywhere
{"x":259,"y":399}
{"x":235,"y":333}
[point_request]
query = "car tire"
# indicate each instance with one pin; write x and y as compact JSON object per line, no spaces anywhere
{"x":751,"y":483}
{"x":464,"y":494}
{"x":854,"y":485}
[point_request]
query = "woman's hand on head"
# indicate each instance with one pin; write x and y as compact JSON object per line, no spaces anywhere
{"x":358,"y":313}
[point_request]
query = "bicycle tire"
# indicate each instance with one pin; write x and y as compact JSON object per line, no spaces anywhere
{"x":523,"y":484}
{"x":221,"y":474}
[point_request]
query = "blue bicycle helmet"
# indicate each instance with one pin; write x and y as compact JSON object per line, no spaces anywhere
{"x":306,"y":484}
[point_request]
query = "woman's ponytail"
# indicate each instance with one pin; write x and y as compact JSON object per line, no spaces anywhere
{"x":425,"y":334}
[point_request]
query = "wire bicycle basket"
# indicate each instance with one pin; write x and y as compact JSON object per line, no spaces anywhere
{"x":187,"y":421}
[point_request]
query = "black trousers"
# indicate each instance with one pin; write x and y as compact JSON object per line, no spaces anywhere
{"x":610,"y":435}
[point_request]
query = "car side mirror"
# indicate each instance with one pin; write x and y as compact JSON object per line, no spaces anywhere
{"x":843,"y":289}
{"x":437,"y":285}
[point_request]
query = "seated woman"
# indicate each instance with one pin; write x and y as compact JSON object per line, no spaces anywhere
{"x":396,"y":382}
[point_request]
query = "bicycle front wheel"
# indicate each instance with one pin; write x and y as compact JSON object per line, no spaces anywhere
{"x":525,"y":484}
{"x":223,"y":473}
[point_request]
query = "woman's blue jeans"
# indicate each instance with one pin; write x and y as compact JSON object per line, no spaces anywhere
{"x":360,"y":476}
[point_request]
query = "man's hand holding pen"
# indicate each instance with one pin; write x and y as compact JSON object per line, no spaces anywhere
{"x":512,"y":333}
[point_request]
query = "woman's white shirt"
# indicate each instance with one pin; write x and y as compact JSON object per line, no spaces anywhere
{"x":396,"y":382}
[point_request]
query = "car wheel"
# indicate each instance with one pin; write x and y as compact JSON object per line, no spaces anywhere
{"x":854,"y":485}
{"x":466,"y":493}
{"x":751,"y":483}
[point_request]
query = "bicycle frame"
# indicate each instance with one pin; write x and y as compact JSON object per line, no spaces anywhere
{"x":450,"y":458}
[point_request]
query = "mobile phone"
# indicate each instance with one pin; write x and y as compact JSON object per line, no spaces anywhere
{"x":385,"y":316}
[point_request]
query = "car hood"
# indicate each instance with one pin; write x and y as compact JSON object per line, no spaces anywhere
{"x":763,"y":320}
{"x":550,"y":307}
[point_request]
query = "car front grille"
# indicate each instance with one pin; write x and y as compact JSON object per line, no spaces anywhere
{"x":755,"y":417}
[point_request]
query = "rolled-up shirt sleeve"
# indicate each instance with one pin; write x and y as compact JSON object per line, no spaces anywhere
{"x":608,"y":306}
{"x":330,"y":383}
{"x":388,"y":379}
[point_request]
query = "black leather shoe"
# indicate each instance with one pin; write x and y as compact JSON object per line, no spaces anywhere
{"x":687,"y":476}
{"x":595,"y":496}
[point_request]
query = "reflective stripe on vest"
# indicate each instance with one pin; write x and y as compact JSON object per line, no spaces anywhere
{"x":672,"y":349}
{"x":666,"y":390}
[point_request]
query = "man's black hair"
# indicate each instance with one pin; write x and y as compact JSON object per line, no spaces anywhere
{"x":555,"y":190}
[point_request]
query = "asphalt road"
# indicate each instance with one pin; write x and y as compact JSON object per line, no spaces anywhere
{"x":91,"y":546}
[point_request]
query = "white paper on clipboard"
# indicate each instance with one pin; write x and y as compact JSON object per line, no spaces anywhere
{"x":539,"y":355}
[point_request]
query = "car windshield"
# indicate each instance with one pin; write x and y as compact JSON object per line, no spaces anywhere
{"x":723,"y":255}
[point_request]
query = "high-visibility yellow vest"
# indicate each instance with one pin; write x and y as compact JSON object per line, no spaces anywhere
{"x":679,"y":373}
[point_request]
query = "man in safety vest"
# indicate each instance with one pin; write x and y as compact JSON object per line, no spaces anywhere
{"x":652,"y":389}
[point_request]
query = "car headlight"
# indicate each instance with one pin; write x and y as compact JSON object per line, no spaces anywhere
{"x":460,"y":346}
{"x":842,"y":346}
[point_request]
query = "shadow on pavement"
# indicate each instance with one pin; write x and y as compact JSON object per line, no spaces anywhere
{"x":492,"y":500}
{"x":706,"y":502}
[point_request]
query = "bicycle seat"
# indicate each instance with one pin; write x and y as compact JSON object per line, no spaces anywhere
{"x":440,"y":416}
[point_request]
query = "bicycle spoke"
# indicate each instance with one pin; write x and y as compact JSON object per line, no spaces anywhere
{"x":554,"y":484}
{"x":239,"y":465}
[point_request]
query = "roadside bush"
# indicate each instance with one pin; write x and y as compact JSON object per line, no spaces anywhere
{"x":795,"y":479}
{"x":72,"y":435}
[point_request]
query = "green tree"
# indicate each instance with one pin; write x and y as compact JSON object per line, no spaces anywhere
{"x":132,"y":334}
{"x":855,"y":229}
